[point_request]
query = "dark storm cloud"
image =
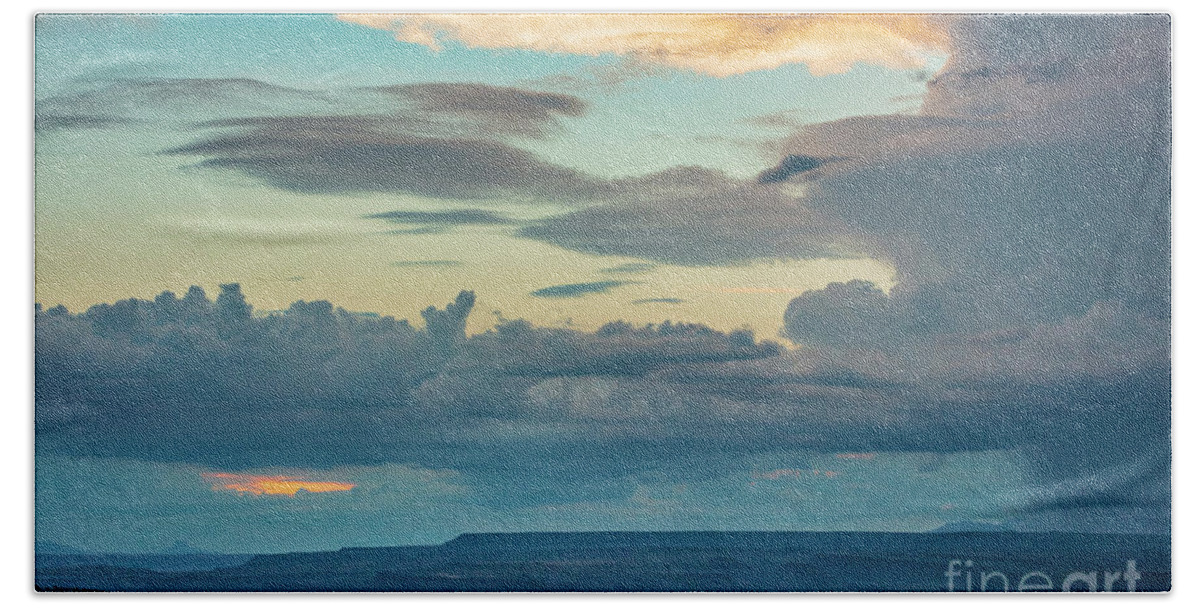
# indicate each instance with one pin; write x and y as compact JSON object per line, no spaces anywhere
{"x":1026,"y":208}
{"x":191,"y":380}
{"x":839,"y":313}
{"x":1035,"y":181}
{"x":505,"y":109}
{"x":576,"y":290}
{"x":346,"y":154}
{"x":317,"y":386}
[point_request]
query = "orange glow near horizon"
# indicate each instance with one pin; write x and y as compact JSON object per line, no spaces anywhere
{"x":258,"y":485}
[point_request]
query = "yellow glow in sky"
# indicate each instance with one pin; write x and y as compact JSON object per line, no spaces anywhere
{"x":258,"y":485}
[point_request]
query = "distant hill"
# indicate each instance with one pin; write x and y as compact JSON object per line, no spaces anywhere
{"x":647,"y":561}
{"x":48,"y":548}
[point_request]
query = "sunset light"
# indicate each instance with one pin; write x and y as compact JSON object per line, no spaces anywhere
{"x":271,"y":484}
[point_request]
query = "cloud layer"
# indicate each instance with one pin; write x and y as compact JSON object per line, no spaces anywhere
{"x":576,"y":290}
{"x":345,"y":154}
{"x":1026,"y":208}
{"x":505,"y":109}
{"x":711,"y":44}
{"x":532,"y":415}
{"x":694,"y":216}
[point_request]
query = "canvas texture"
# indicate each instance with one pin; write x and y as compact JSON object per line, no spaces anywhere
{"x":603,"y":302}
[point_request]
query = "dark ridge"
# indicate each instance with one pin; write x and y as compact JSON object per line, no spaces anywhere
{"x":659,"y":561}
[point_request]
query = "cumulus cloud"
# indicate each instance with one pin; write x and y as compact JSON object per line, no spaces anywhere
{"x":1026,"y":208}
{"x":1038,"y":210}
{"x":712,"y":44}
{"x":839,"y":313}
{"x":313,"y":385}
{"x":1027,"y":211}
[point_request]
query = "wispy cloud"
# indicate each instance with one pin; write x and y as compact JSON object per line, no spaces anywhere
{"x":59,"y":122}
{"x":711,"y":44}
{"x":498,"y":109}
{"x":427,"y":264}
{"x":343,"y":154}
{"x":630,"y":268}
{"x":658,"y":301}
{"x":575,"y":290}
{"x":455,"y":217}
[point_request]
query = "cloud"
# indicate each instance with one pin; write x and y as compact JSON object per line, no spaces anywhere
{"x":791,"y":165}
{"x":346,"y":154}
{"x":1020,"y":79}
{"x":692,"y":216}
{"x":630,"y":268}
{"x":577,"y":290}
{"x":710,"y":44}
{"x":454,"y":217}
{"x":1026,"y":209}
{"x":315,"y":386}
{"x":505,"y":109}
{"x":440,"y":140}
{"x":181,"y":98}
{"x":1035,"y":180}
{"x":435,"y":109}
{"x":839,"y":313}
{"x":61,"y":122}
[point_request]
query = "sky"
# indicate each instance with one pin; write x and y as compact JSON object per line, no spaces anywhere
{"x":902,"y":271}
